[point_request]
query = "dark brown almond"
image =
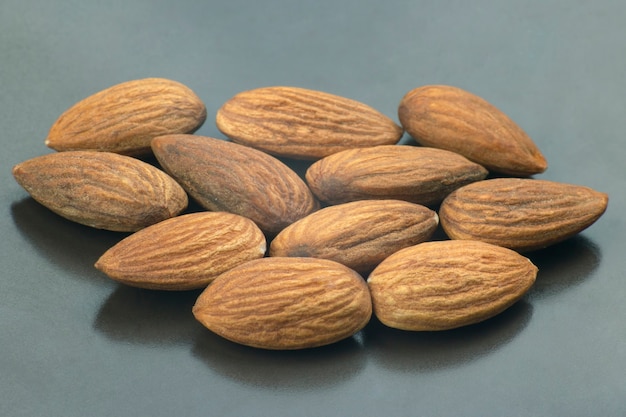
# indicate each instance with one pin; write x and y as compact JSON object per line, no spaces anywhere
{"x":520,"y":213}
{"x":225,"y":176}
{"x":125,"y":117}
{"x":185,"y":252}
{"x":285,"y":303}
{"x":450,"y":118}
{"x":448,"y":284}
{"x":303,"y":124}
{"x":412,"y":173}
{"x":101,"y":189}
{"x":359,"y":234}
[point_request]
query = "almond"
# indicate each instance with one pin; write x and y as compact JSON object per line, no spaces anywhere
{"x":185,"y":252}
{"x":225,"y":176}
{"x":454,"y":119}
{"x":520,"y":213}
{"x":101,"y":189}
{"x":359,"y":234}
{"x":412,"y":173}
{"x":448,"y":284}
{"x":125,"y":117}
{"x":285,"y":303}
{"x":303,"y":124}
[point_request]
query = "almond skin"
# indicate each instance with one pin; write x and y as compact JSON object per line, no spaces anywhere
{"x":285,"y":303}
{"x":125,"y":117}
{"x":411,"y":173}
{"x":101,"y":189}
{"x":520,"y":213}
{"x":303,"y":124}
{"x":225,"y":176}
{"x":359,"y":234}
{"x":450,"y":118}
{"x":185,"y":252}
{"x":448,"y":284}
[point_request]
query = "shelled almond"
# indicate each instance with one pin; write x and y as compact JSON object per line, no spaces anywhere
{"x":355,"y":235}
{"x":125,"y":117}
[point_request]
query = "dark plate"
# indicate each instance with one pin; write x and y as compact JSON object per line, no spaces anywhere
{"x":74,"y":343}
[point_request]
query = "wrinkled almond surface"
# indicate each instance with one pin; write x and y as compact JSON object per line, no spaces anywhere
{"x":520,"y":213}
{"x":454,"y":119}
{"x":303,"y":124}
{"x":448,"y":284}
{"x":285,"y":303}
{"x":185,"y":252}
{"x":225,"y":176}
{"x":101,"y":189}
{"x":125,"y":117}
{"x":417,"y":174}
{"x":359,"y":234}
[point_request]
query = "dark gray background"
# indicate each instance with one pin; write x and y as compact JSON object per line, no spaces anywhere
{"x":73,"y":343}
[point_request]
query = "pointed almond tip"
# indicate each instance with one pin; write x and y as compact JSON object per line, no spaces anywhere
{"x":542,"y":163}
{"x":99,"y":265}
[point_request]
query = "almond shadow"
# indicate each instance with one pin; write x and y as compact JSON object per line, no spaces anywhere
{"x":564,"y":265}
{"x":148,"y":317}
{"x":406,"y":351}
{"x":292,"y":370}
{"x":72,"y":246}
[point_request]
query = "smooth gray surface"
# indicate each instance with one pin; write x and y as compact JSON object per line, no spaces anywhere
{"x":74,"y":343}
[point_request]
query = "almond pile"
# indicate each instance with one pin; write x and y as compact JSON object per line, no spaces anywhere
{"x":285,"y":261}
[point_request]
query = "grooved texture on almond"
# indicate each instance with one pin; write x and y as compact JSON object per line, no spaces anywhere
{"x":125,"y":117}
{"x":225,"y":176}
{"x":359,"y":234}
{"x":303,"y":124}
{"x":285,"y":303}
{"x":520,"y":213}
{"x":101,"y":189}
{"x":185,"y":252}
{"x":448,"y":284}
{"x":416,"y":174}
{"x":451,"y":118}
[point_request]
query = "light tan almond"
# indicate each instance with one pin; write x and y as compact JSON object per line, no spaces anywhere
{"x":303,"y":124}
{"x":416,"y":174}
{"x":101,"y":189}
{"x":225,"y":176}
{"x":520,"y":213}
{"x":450,"y":118}
{"x":359,"y":234}
{"x":185,"y":252}
{"x":448,"y":284}
{"x":125,"y":117}
{"x":285,"y":303}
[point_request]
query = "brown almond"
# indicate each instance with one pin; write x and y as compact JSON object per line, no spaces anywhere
{"x":101,"y":189}
{"x":450,"y":118}
{"x":359,"y":234}
{"x":448,"y":284}
{"x":285,"y":303}
{"x":225,"y":176}
{"x":125,"y":117}
{"x":520,"y":213}
{"x":303,"y":124}
{"x":185,"y":252}
{"x":411,"y":173}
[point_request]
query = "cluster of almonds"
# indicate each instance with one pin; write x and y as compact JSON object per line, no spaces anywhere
{"x":367,"y":207}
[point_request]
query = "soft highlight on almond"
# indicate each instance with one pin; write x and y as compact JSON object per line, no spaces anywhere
{"x":521,"y":213}
{"x":303,"y":124}
{"x":285,"y":303}
{"x":448,"y":284}
{"x":125,"y":117}
{"x":183,"y":253}
{"x":103,"y":190}
{"x":448,"y":117}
